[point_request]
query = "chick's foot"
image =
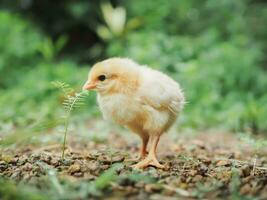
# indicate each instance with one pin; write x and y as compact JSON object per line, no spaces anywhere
{"x":149,"y":161}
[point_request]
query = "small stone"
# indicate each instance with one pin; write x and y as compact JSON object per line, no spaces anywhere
{"x":224,"y":176}
{"x":88,"y":176}
{"x":139,"y":184}
{"x":168,"y":192}
{"x":203,"y":169}
{"x":74,"y":168}
{"x":204,"y":159}
{"x":35,"y":157}
{"x":67,"y":162}
{"x":93,"y":166}
{"x":6,"y":158}
{"x":46,"y":158}
{"x":197,"y":178}
{"x":55,"y":162}
{"x":130,"y":190}
{"x":193,"y":172}
{"x":111,"y":159}
{"x":150,"y":188}
{"x":223,"y":163}
{"x":27,"y":167}
{"x":245,"y":170}
{"x":117,"y":158}
{"x":104,"y":167}
{"x":183,"y":179}
{"x":22,"y":160}
{"x":78,"y":174}
{"x":3,"y":166}
{"x":14,"y":161}
{"x":246,"y":189}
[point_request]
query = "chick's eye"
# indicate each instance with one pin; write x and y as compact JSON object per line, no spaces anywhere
{"x":102,"y":77}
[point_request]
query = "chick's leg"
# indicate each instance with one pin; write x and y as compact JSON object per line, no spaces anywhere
{"x":151,"y":159}
{"x":143,"y":152}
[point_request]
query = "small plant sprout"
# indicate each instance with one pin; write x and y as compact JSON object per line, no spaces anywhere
{"x":70,"y":103}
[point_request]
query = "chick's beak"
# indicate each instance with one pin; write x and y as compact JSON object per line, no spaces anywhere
{"x":89,"y":85}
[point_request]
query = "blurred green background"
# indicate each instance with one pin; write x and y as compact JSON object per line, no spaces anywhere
{"x":215,"y":49}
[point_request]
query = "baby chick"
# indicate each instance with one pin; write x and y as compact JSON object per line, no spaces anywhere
{"x":142,"y":99}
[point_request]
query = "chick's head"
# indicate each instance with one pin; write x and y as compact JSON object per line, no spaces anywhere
{"x":113,"y":75}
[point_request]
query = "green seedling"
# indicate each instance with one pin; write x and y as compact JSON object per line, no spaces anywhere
{"x":70,"y":103}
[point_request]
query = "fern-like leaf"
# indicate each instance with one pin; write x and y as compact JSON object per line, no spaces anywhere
{"x":70,"y":103}
{"x":75,"y":101}
{"x":64,"y":87}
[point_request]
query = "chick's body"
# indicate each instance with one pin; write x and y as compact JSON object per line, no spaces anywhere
{"x":142,"y":99}
{"x":152,"y":106}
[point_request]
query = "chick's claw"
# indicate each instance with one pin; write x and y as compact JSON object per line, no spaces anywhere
{"x":149,"y":161}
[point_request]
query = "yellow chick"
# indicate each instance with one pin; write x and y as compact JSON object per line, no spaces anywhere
{"x":140,"y":98}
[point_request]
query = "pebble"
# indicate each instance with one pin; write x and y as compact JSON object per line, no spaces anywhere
{"x":117,"y":158}
{"x":246,"y":189}
{"x":110,"y":159}
{"x":6,"y":158}
{"x":46,"y":158}
{"x":3,"y":166}
{"x":74,"y":168}
{"x":140,"y":184}
{"x":223,"y":163}
{"x":67,"y":162}
{"x":204,"y":159}
{"x":55,"y":162}
{"x":27,"y":167}
{"x":245,"y":170}
{"x":35,"y":157}
{"x":151,"y":188}
{"x":197,"y":178}
{"x":93,"y":166}
{"x":193,"y":172}
{"x":78,"y":174}
{"x":203,"y":169}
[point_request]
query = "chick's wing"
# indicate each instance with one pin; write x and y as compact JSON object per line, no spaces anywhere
{"x":160,"y":92}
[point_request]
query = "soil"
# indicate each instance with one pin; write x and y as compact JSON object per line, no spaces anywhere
{"x":205,"y":165}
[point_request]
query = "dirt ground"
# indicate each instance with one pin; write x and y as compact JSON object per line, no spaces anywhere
{"x":205,"y":165}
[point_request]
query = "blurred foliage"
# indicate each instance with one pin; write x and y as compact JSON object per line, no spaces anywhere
{"x":10,"y":191}
{"x":215,"y":50}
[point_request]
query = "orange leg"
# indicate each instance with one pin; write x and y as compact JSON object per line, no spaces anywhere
{"x":143,"y":152}
{"x":151,"y":159}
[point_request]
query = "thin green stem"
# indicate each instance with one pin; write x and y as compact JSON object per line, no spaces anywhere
{"x":67,"y":125}
{"x":65,"y":134}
